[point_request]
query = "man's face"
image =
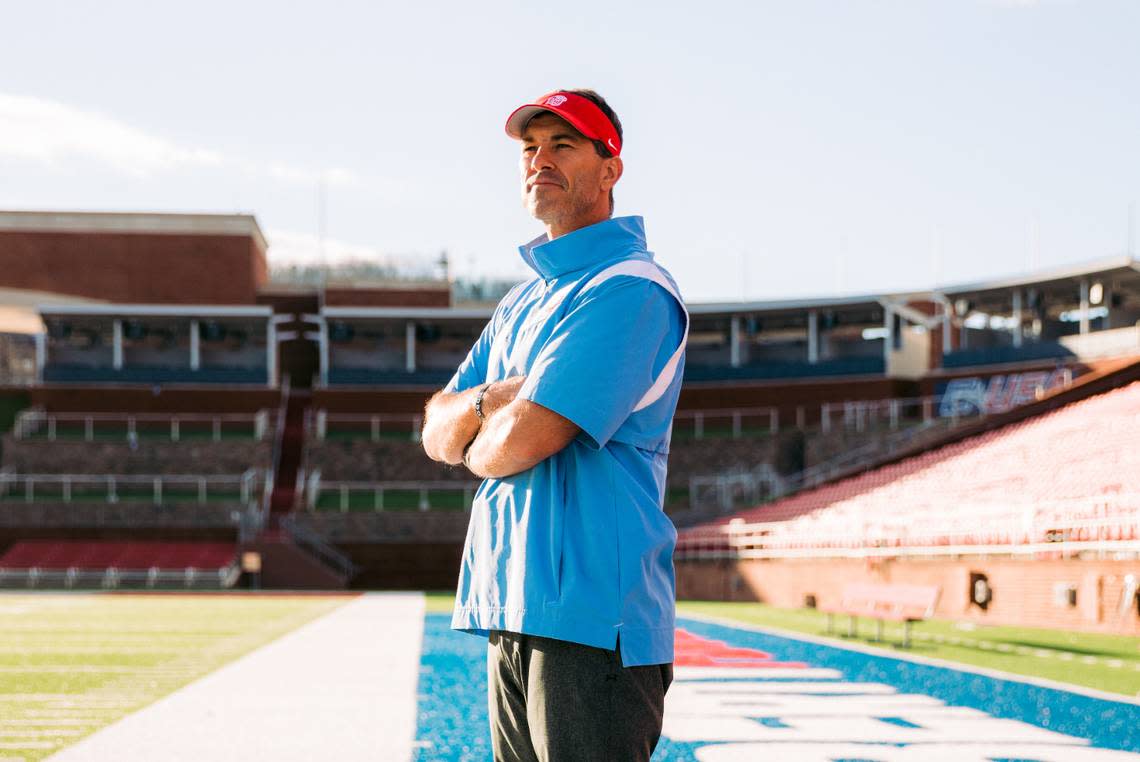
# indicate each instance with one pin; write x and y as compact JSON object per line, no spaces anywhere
{"x":564,"y":180}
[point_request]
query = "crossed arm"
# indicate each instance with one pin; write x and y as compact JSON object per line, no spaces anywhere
{"x":515,"y":435}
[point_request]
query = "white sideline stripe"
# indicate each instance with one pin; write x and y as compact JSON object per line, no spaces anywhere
{"x":755,"y":673}
{"x":342,"y":687}
{"x":945,"y":663}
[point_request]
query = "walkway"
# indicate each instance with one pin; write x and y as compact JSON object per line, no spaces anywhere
{"x":342,"y":687}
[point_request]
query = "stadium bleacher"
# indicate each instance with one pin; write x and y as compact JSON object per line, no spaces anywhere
{"x":1075,"y":470}
{"x":73,"y":563}
{"x":779,"y":395}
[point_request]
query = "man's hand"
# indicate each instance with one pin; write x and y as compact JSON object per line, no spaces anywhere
{"x":519,"y":436}
{"x":515,"y":435}
{"x":450,"y":421}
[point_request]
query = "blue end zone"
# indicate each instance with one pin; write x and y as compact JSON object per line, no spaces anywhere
{"x":452,"y":714}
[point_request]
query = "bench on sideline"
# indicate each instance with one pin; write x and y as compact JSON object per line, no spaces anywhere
{"x":897,"y":603}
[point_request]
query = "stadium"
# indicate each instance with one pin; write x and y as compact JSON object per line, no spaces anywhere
{"x":908,"y":523}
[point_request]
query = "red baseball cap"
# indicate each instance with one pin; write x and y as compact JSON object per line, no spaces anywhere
{"x":581,"y":112}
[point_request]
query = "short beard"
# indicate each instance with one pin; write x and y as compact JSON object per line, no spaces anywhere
{"x":574,"y":208}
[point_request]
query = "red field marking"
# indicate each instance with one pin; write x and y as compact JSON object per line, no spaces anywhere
{"x":695,"y":651}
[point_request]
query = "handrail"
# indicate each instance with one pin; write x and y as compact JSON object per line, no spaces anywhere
{"x":278,"y":440}
{"x":318,"y":423}
{"x":246,"y":482}
{"x":854,"y":415}
{"x":318,"y":485}
{"x":32,"y":420}
{"x":1065,"y":548}
{"x":751,"y":480}
{"x":315,"y":544}
{"x":1061,"y":519}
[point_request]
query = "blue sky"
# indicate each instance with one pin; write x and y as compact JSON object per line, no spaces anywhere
{"x":775,"y":149}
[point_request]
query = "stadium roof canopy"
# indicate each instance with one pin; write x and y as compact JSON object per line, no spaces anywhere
{"x":426,"y":313}
{"x":134,"y":222}
{"x":155,"y":310}
{"x":1060,"y":286}
{"x":790,"y":305}
{"x":1119,"y":265}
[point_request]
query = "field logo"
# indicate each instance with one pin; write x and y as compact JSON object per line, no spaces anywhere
{"x":731,"y":704}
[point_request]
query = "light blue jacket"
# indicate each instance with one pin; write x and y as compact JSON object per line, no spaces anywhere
{"x":578,"y":547}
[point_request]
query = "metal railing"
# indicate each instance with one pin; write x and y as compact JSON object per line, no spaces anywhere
{"x":36,"y":422}
{"x":113,"y":577}
{"x":373,"y":424}
{"x":736,"y":420}
{"x":1104,"y":523}
{"x":849,"y":415}
{"x":312,"y":542}
{"x":113,"y":488}
{"x":375,"y":494}
{"x":725,"y":491}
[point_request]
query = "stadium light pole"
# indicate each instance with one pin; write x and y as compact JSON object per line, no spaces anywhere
{"x":1131,"y":229}
{"x":743,"y":274}
{"x":322,"y":213}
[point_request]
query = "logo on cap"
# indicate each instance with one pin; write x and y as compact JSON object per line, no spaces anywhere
{"x":612,"y":146}
{"x":556,"y":100}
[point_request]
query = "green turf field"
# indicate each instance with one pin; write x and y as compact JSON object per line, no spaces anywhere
{"x":71,"y":663}
{"x":1106,"y":662}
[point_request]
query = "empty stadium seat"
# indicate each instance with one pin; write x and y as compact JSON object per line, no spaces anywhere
{"x":114,"y":563}
{"x":1073,"y":473}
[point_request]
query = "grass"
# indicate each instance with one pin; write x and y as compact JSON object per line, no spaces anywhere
{"x":73,"y":663}
{"x":1105,"y":662}
{"x":1083,"y":659}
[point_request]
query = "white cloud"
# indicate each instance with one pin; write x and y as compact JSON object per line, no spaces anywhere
{"x":48,"y":132}
{"x":39,"y":130}
{"x":288,"y":247}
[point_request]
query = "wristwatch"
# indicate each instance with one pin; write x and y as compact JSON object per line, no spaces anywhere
{"x":479,"y":402}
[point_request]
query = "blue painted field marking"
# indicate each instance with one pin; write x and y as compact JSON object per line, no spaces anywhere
{"x":452,"y":715}
{"x":1106,"y":724}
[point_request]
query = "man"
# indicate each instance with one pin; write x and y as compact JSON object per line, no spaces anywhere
{"x":565,"y":406}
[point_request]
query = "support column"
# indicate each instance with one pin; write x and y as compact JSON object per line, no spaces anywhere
{"x":323,"y":355}
{"x":1017,"y":317}
{"x":889,"y":337}
{"x":195,"y":345}
{"x":271,"y":352}
{"x":947,"y":327}
{"x":41,"y":354}
{"x":117,"y":344}
{"x":813,"y":336}
{"x":410,"y":347}
{"x":1084,"y":306}
{"x":734,"y":341}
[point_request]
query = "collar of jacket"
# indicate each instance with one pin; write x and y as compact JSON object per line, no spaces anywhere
{"x":584,"y":246}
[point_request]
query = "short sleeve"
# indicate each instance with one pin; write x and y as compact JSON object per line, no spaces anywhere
{"x":473,"y":370}
{"x":603,"y":356}
{"x":475,"y":366}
